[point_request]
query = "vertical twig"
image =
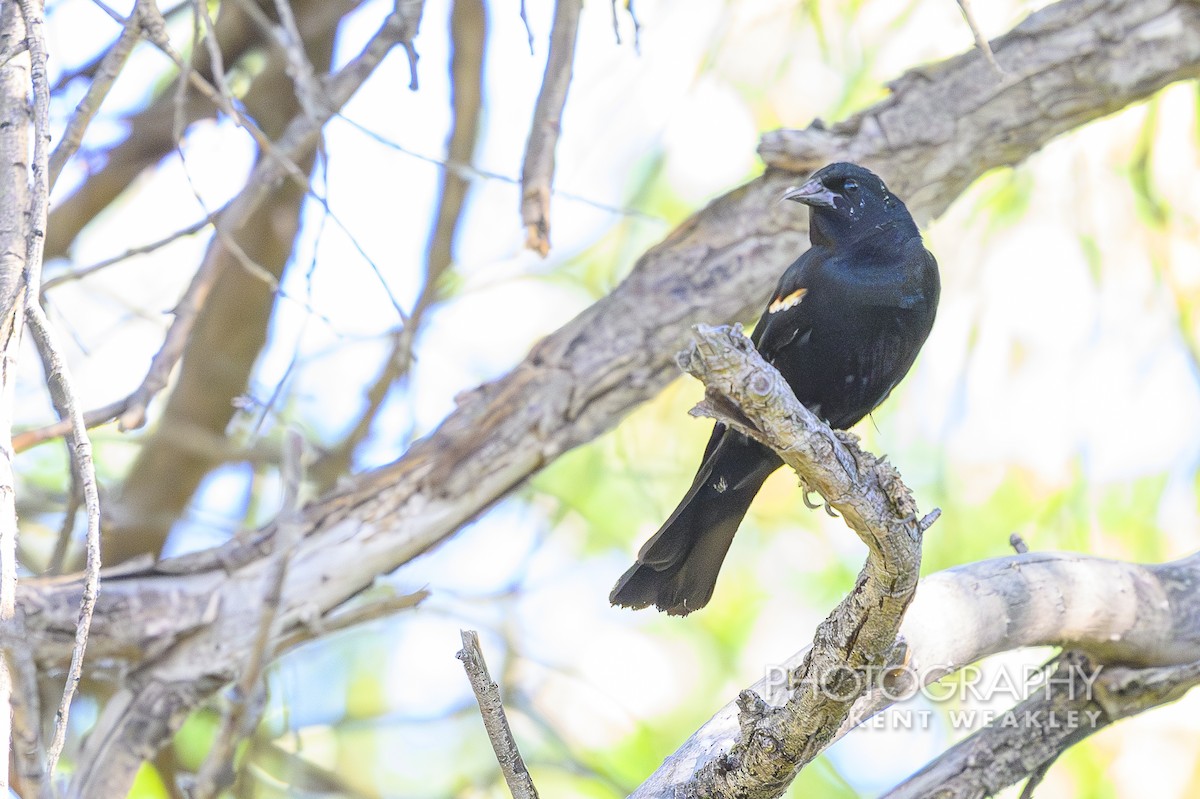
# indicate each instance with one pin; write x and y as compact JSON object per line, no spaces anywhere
{"x":308,"y":90}
{"x":528,"y":29}
{"x":106,"y":75}
{"x":58,"y":379}
{"x":487,"y":694}
{"x":537,"y":171}
{"x":62,"y":394}
{"x":980,"y":40}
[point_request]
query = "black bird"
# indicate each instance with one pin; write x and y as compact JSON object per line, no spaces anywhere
{"x":843,"y":327}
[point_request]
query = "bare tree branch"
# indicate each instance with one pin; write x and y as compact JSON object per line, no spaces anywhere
{"x":774,"y":742}
{"x":967,"y":613}
{"x":298,"y":140}
{"x":537,"y":171}
{"x":105,"y":76}
{"x":468,"y":36}
{"x":1080,"y":700}
{"x":58,"y":377}
{"x":142,"y":249}
{"x":487,"y":695}
{"x":151,"y":131}
{"x":67,"y":404}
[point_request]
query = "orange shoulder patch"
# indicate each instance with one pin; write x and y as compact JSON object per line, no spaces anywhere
{"x":790,"y":301}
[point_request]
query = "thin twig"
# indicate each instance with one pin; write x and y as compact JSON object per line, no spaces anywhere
{"x":307,"y":89}
{"x":537,"y":169}
{"x":242,"y":713}
{"x":94,"y":418}
{"x":21,"y":47}
{"x":143,"y":249}
{"x":278,"y":164}
{"x":62,"y":544}
{"x":468,"y":35}
{"x":528,"y":30}
{"x":637,"y":27}
{"x":980,"y":40}
{"x":109,"y":68}
{"x":369,"y":610}
{"x":63,"y":395}
{"x":468,"y":171}
{"x":58,"y":378}
{"x":216,"y":60}
{"x":487,"y":694}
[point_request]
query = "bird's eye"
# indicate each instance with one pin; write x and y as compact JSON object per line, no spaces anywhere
{"x":851,"y":185}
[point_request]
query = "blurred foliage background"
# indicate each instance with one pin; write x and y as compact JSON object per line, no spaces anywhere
{"x":1057,"y":396}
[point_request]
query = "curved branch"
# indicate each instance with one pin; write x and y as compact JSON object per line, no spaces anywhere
{"x":1075,"y":702}
{"x":1118,"y":613}
{"x":774,"y":743}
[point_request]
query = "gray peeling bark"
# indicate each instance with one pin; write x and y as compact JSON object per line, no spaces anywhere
{"x":180,"y":625}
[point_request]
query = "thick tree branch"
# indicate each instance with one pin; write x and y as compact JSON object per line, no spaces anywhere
{"x":1117,"y":613}
{"x":721,"y":264}
{"x":1023,"y":742}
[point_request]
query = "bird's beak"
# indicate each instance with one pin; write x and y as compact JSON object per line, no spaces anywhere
{"x":811,"y":193}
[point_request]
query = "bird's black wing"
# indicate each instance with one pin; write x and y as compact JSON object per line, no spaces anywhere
{"x":786,"y":318}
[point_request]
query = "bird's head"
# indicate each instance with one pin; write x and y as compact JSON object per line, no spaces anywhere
{"x":848,"y":200}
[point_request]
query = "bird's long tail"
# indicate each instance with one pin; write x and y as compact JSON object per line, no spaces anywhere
{"x":677,"y":568}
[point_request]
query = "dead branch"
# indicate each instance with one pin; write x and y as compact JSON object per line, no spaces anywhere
{"x":15,"y":117}
{"x":775,"y":742}
{"x":967,"y":613}
{"x":487,"y":695}
{"x":980,"y":40}
{"x":105,"y":76}
{"x":1079,"y":701}
{"x":537,"y":170}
